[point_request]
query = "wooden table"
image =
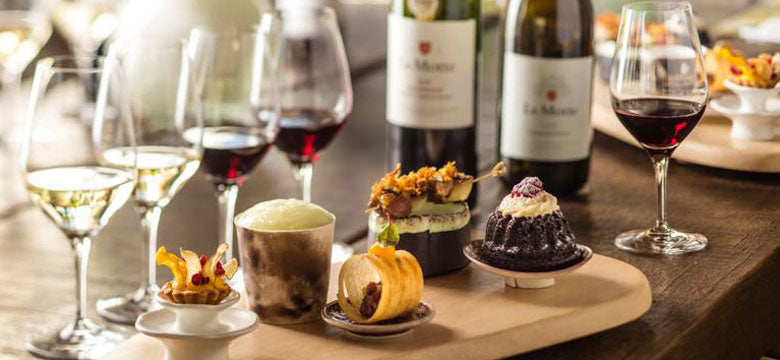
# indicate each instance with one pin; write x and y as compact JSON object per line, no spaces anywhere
{"x":723,"y":303}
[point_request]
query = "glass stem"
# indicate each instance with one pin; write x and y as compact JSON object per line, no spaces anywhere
{"x":150,"y":222}
{"x":303,"y":173}
{"x":661,"y":165}
{"x":227,"y":195}
{"x":12,"y":86}
{"x":81,"y":247}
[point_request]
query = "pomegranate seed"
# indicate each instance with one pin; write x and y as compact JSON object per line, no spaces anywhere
{"x":203,"y":260}
{"x":220,"y":270}
{"x":205,"y":280}
{"x":197,"y":279}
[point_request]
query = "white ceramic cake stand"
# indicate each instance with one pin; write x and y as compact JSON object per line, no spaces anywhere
{"x":520,"y":279}
{"x":201,"y":332}
{"x":746,"y":123}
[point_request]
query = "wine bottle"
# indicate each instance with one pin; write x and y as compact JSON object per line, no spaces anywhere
{"x":432,"y":69}
{"x":546,"y":93}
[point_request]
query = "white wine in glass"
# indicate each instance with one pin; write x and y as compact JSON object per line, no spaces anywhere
{"x":79,"y":199}
{"x":66,"y":178}
{"x":162,"y":94}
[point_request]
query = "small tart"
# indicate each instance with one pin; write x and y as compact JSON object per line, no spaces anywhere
{"x":205,"y":297}
{"x":196,"y":280}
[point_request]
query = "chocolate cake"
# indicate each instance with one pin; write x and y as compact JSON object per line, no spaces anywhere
{"x":527,"y":232}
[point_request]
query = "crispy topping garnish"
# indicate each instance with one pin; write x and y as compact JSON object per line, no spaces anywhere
{"x":391,"y":194}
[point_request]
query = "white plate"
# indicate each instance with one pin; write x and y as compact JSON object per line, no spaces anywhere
{"x":234,"y":323}
{"x":521,"y":279}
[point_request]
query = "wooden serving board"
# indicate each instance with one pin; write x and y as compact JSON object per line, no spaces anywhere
{"x":476,"y":318}
{"x":709,"y":144}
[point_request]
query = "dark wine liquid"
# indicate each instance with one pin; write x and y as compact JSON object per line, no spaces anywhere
{"x":660,"y":125}
{"x":304,"y":132}
{"x":231,"y":153}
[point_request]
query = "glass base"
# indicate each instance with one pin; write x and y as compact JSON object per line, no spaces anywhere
{"x":669,"y":242}
{"x":83,"y":339}
{"x":126,"y":309}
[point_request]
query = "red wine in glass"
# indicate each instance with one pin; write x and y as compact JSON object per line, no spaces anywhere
{"x":660,"y":125}
{"x":231,"y":152}
{"x":304,"y":132}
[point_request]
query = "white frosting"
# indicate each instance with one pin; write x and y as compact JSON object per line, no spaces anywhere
{"x":542,"y":204}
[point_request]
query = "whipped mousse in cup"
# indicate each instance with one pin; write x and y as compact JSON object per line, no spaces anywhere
{"x":285,"y":248}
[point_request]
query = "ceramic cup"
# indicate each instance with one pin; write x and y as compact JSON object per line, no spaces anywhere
{"x":286,"y":272}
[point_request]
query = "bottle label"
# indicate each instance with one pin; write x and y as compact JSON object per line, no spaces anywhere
{"x":430,"y":73}
{"x":545,"y":108}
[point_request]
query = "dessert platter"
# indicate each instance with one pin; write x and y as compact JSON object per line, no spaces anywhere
{"x":374,"y":300}
{"x":527,"y":239}
{"x":197,"y":319}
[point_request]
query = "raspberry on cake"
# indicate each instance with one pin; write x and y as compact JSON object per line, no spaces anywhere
{"x":196,"y":280}
{"x":527,"y":232}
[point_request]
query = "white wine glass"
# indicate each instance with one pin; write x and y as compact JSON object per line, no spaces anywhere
{"x":315,"y":87}
{"x":23,"y":32}
{"x":164,"y":104}
{"x":65,"y":177}
{"x":237,"y":80}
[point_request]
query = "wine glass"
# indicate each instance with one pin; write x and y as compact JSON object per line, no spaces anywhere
{"x":85,"y":24}
{"x":314,"y":86}
{"x":23,"y":32}
{"x":65,"y":177}
{"x":659,"y":93}
{"x":163,"y":104}
{"x":240,"y":110}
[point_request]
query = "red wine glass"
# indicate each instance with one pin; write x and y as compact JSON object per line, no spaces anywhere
{"x":240,"y":108}
{"x":659,"y":93}
{"x":314,"y":86}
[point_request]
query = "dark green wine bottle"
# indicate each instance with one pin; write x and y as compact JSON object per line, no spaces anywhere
{"x":546,"y":93}
{"x":432,"y":69}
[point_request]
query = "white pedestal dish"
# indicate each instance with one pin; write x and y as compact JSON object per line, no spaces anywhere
{"x":191,"y":331}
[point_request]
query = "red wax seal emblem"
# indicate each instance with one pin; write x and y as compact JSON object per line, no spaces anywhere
{"x":425,"y":47}
{"x":551,"y":95}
